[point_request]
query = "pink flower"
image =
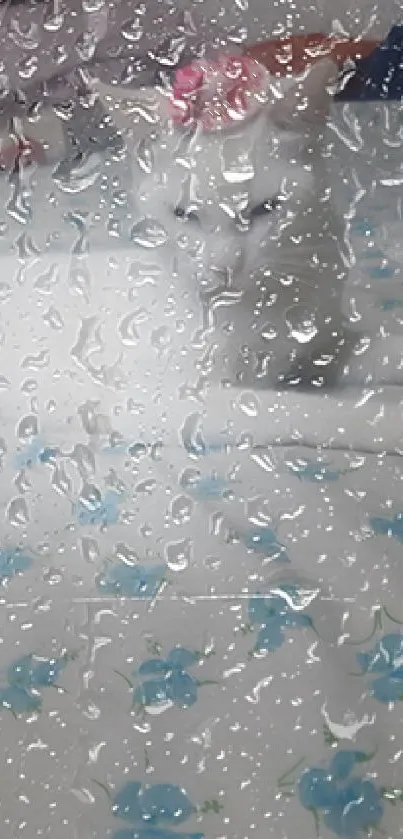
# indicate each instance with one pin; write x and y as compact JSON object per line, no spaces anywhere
{"x":216,"y":93}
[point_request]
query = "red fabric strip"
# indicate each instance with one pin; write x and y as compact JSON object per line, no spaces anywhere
{"x":292,"y":55}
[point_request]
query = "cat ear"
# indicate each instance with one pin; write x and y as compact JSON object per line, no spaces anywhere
{"x":308,"y":101}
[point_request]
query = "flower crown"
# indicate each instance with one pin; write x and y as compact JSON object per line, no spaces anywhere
{"x":214,"y":94}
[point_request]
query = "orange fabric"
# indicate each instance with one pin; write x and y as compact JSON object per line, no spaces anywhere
{"x":292,"y":55}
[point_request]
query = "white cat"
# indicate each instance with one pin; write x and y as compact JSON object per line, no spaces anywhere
{"x":239,"y":210}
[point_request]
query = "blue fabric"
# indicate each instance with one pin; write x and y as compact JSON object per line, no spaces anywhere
{"x":380,"y":75}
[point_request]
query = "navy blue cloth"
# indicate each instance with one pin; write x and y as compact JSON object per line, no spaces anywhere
{"x":380,"y":75}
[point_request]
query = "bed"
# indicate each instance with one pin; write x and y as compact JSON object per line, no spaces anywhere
{"x":202,"y":596}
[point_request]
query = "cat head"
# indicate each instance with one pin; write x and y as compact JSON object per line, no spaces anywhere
{"x":217,"y":95}
{"x":237,"y":152}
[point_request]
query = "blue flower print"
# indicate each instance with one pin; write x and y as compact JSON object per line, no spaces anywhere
{"x":19,"y":701}
{"x":363,"y":227}
{"x":32,"y":672}
{"x":371,"y":254}
{"x":26,"y":677}
{"x":274,"y":614}
{"x":386,"y":659}
{"x":390,"y":303}
{"x":170,"y":683}
{"x":153,"y":811}
{"x":314,"y":471}
{"x":207,"y":489}
{"x":216,"y":447}
{"x":264,"y":541}
{"x":12,"y":562}
{"x":103,"y":511}
{"x":384,"y":526}
{"x":155,"y":833}
{"x":131,"y":580}
{"x":350,"y":806}
{"x":382,"y":272}
{"x":48,"y":454}
{"x":115,"y":448}
{"x":33,"y":453}
{"x":28,"y":455}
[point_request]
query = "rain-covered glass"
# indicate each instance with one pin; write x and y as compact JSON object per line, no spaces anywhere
{"x":201,"y":391}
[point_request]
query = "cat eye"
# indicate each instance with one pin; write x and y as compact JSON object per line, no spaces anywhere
{"x":265,"y":208}
{"x":181,"y":213}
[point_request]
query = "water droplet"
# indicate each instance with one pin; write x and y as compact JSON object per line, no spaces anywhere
{"x":42,"y":604}
{"x":240,"y":170}
{"x":22,"y":483}
{"x":137,"y":451}
{"x":249,"y":404}
{"x":212,"y":563}
{"x":28,"y":427}
{"x":169,"y":51}
{"x":161,"y":339}
{"x":114,"y":228}
{"x":301,"y":324}
{"x":86,"y":45}
{"x":19,"y":204}
{"x":132,"y":30}
{"x":53,"y":22}
{"x":47,"y":281}
{"x":156,"y":451}
{"x":61,"y":482}
{"x":126,"y":554}
{"x":149,"y":233}
{"x":90,"y":497}
{"x":268,"y":332}
{"x":26,"y":247}
{"x":28,"y":67}
{"x":79,"y":175}
{"x":93,"y":422}
{"x":4,"y":86}
{"x":192,"y":435}
{"x":17,"y":512}
{"x":89,"y":549}
{"x":135,"y":408}
{"x":90,"y":6}
{"x":158,"y":708}
{"x":178,"y":554}
{"x":127,"y":330}
{"x":142,"y":275}
{"x":36,"y":362}
{"x":181,"y":509}
{"x":84,"y":459}
{"x":52,"y":576}
{"x":119,"y":199}
{"x":244,"y":441}
{"x":145,"y":156}
{"x":54,"y":319}
{"x":80,"y":278}
{"x":146,"y":487}
{"x":5,"y":292}
{"x":189,"y":478}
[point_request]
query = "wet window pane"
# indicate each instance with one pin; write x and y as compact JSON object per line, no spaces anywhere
{"x":201,"y":372}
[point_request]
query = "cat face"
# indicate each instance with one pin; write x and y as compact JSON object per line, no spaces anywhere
{"x":230,"y":192}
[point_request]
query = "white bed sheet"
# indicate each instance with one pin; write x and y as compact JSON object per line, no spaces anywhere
{"x":202,"y":596}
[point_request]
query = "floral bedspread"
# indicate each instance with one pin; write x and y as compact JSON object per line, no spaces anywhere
{"x":210,"y":646}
